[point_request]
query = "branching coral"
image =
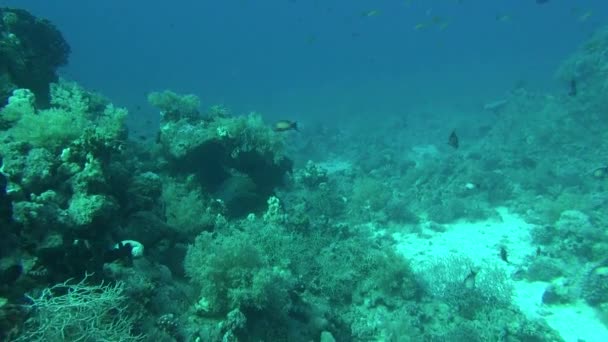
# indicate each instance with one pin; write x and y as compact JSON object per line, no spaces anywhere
{"x":468,"y":287}
{"x":237,"y":270}
{"x":75,"y":113}
{"x":82,"y":313}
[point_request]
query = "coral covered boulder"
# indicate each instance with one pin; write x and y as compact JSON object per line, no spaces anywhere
{"x":237,"y":159}
{"x":31,"y":50}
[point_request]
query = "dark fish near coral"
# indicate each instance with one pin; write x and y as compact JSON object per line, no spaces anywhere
{"x":600,"y":173}
{"x":469,"y":281}
{"x":453,"y":140}
{"x":573,"y":89}
{"x":11,"y":274}
{"x":122,"y":251}
{"x":504,"y":255}
{"x":285,"y":125}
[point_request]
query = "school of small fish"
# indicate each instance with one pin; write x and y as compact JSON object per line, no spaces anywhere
{"x":440,"y":23}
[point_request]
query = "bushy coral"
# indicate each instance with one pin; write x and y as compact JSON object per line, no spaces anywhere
{"x":235,"y":134}
{"x":272,"y":274}
{"x":238,"y":270}
{"x":317,"y":197}
{"x":369,"y":194}
{"x":50,"y":128}
{"x":375,"y":276}
{"x":71,"y":97}
{"x":187,"y":209}
{"x":175,"y":107}
{"x":251,"y":134}
{"x":75,"y":114}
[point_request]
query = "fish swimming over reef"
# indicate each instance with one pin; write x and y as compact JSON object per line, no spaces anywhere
{"x":9,"y":275}
{"x":504,"y":254}
{"x":285,"y":125}
{"x":469,"y":281}
{"x":573,"y":89}
{"x":453,"y":140}
{"x":600,"y":173}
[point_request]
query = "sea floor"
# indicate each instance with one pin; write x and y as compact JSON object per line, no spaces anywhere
{"x":481,"y":241}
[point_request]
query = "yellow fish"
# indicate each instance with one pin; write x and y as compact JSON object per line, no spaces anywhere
{"x":285,"y":125}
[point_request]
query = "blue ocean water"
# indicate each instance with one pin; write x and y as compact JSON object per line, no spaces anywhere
{"x":318,"y":59}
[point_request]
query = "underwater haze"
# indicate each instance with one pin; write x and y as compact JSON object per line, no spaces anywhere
{"x":319,"y":59}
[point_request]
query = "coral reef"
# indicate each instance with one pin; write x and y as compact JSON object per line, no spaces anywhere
{"x":225,"y":230}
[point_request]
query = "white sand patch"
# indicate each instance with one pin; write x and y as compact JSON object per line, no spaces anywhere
{"x":574,"y":322}
{"x":529,"y":297}
{"x":481,"y":241}
{"x":577,"y":322}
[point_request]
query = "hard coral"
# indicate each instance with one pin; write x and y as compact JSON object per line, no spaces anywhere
{"x":21,"y":101}
{"x":221,"y":151}
{"x":31,"y":50}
